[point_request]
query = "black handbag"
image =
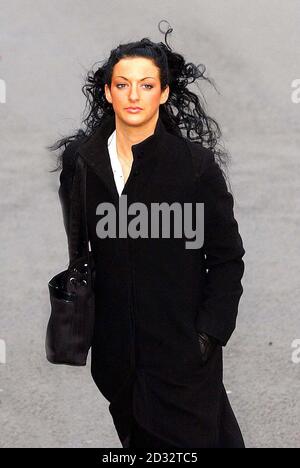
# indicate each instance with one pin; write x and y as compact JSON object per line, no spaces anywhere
{"x":71,"y":323}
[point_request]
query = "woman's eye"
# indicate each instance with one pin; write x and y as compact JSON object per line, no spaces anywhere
{"x":123,"y":84}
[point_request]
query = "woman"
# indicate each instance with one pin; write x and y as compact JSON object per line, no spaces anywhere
{"x":163,"y":311}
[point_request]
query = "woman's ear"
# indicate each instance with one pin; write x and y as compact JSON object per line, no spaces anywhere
{"x":107,"y":93}
{"x":165,"y":95}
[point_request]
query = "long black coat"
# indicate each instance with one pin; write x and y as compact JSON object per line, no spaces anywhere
{"x":153,"y":295}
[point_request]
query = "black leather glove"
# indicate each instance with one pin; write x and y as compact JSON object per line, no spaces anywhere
{"x":207,"y":345}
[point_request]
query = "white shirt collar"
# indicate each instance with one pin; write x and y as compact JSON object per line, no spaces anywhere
{"x":115,"y":162}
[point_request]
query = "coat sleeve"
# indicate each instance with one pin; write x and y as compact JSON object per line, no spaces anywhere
{"x":223,"y":252}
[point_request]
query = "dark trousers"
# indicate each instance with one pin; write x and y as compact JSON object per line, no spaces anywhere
{"x":143,"y":439}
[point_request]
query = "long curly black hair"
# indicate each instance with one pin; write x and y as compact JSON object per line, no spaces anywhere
{"x":183,"y":113}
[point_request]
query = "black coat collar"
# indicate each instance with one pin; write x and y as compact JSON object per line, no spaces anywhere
{"x":95,"y":152}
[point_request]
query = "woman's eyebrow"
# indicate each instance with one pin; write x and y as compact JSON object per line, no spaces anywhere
{"x":119,"y":76}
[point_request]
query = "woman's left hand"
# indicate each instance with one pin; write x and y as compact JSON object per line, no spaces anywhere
{"x":207,"y":345}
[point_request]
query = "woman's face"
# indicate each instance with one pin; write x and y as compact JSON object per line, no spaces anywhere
{"x":135,"y":83}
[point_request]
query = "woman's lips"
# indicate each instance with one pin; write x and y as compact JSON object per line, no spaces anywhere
{"x":132,"y":110}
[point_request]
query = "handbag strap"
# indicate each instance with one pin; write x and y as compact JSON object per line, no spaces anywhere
{"x":79,"y":239}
